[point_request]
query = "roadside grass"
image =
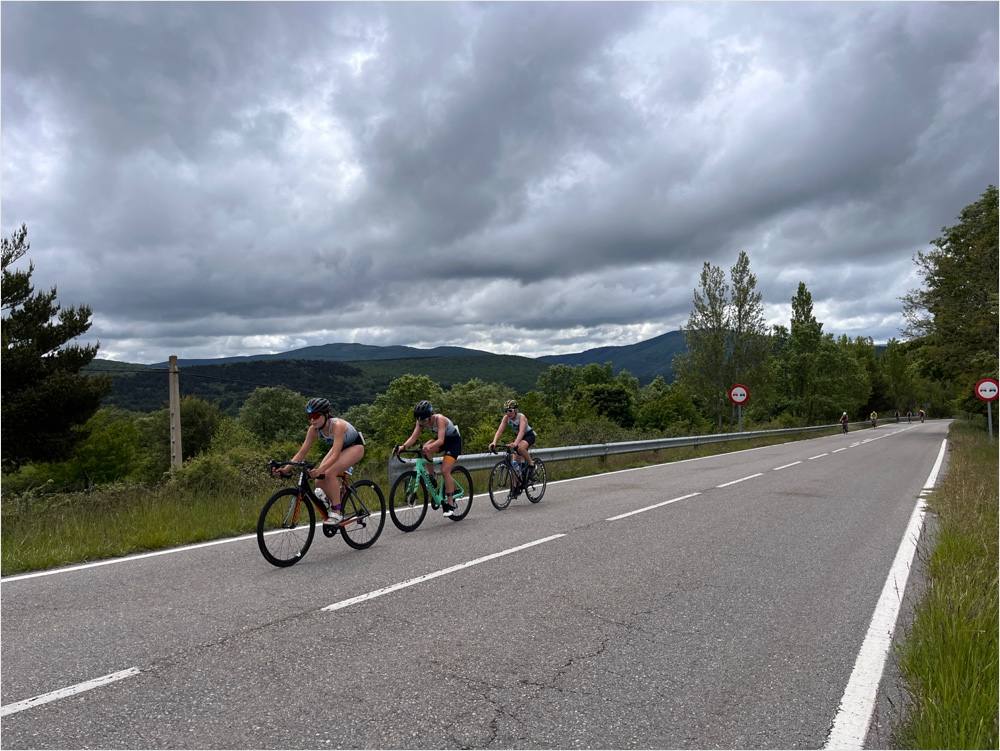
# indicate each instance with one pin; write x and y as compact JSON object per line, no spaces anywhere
{"x":949,"y":660}
{"x":119,"y":520}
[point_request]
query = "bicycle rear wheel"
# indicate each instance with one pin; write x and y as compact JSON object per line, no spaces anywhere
{"x":408,"y":501}
{"x":463,"y":493}
{"x":364,"y":514}
{"x":499,"y":486}
{"x":535,"y":487}
{"x":286,"y":527}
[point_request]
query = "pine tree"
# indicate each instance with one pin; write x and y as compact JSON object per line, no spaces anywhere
{"x":44,"y":394}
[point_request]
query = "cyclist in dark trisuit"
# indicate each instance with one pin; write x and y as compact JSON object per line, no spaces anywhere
{"x":447,"y":439}
{"x":524,"y":436}
{"x":347,"y":448}
{"x":844,"y":419}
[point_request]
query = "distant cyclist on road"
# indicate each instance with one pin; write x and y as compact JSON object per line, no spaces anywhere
{"x":844,"y":419}
{"x":524,"y":436}
{"x":347,"y":448}
{"x":874,"y":418}
{"x":447,"y":439}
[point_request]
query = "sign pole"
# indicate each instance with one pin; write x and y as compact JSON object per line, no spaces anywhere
{"x":989,"y":418}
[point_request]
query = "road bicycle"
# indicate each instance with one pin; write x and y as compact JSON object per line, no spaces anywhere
{"x":507,"y":479}
{"x":287,"y":523}
{"x":416,"y":489}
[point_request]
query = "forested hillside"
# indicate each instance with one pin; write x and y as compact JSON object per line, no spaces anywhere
{"x":144,"y":388}
{"x":645,"y":360}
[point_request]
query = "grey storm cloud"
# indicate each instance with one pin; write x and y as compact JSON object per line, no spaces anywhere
{"x":229,"y":178}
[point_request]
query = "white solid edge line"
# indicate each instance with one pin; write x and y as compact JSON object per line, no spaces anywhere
{"x":819,"y":456}
{"x":125,"y":559}
{"x":854,"y":715}
{"x":733,"y":482}
{"x":650,"y":508}
{"x":427,"y":577}
{"x":62,"y":693}
{"x":786,"y":466}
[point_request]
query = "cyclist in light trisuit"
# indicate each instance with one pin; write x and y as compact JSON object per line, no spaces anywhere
{"x":347,"y":447}
{"x":447,"y":439}
{"x":524,"y":436}
{"x":874,"y":418}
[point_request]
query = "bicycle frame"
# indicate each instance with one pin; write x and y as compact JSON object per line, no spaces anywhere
{"x":436,"y":489}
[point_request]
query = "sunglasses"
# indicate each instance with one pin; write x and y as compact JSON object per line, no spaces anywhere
{"x":314,"y":415}
{"x":510,"y":410}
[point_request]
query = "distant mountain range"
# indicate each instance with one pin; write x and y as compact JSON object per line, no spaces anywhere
{"x":341,"y":352}
{"x":645,"y":360}
{"x":355,"y":373}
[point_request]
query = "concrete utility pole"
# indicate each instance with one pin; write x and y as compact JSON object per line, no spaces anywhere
{"x":176,"y":456}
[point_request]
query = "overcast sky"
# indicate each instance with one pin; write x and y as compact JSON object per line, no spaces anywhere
{"x":224,"y":179}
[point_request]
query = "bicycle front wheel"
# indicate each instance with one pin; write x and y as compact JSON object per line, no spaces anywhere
{"x":463,"y":493}
{"x":408,"y":501}
{"x":535,"y":488}
{"x":364,"y":514}
{"x":286,"y":527}
{"x":499,"y":486}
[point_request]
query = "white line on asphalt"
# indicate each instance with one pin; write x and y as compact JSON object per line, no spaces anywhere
{"x":434,"y":575}
{"x":649,"y":508}
{"x":62,"y":693}
{"x":837,"y":451}
{"x":850,"y":726}
{"x":786,"y":466}
{"x":733,"y":482}
{"x":135,"y":557}
{"x":819,"y":456}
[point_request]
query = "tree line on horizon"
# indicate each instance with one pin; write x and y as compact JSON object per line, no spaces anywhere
{"x":798,"y":375}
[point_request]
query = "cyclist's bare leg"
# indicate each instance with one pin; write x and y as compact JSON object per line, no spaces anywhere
{"x":331,"y":482}
{"x":449,"y":482}
{"x":523,"y":450}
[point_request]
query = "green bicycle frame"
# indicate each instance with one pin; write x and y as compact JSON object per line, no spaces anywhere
{"x":435,"y":488}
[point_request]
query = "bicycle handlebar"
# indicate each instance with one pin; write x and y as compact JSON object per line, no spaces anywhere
{"x":272,"y":465}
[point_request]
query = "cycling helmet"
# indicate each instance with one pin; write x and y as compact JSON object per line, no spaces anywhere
{"x":423,"y":410}
{"x":509,"y":404}
{"x":318,"y":404}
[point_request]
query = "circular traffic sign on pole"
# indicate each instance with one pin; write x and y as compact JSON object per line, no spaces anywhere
{"x":739,"y":394}
{"x":987,"y":389}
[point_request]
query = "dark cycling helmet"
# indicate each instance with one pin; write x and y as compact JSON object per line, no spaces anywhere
{"x":318,"y":404}
{"x":509,"y":404}
{"x":423,"y":409}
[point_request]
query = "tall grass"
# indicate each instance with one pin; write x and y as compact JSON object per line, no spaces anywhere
{"x":949,"y":662}
{"x":214,"y":502}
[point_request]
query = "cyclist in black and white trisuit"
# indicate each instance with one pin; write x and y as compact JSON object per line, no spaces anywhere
{"x":347,"y":448}
{"x":447,"y":439}
{"x":524,"y":436}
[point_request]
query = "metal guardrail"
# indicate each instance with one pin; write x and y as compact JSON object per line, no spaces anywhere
{"x":598,"y":450}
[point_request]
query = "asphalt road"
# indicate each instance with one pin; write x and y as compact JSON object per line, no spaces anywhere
{"x":728,"y":619}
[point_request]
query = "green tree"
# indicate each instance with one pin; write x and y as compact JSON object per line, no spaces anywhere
{"x":748,"y":353}
{"x":556,"y":383}
{"x":110,"y":450}
{"x":802,"y":355}
{"x":274,"y":414}
{"x":611,"y":400}
{"x":899,"y":377}
{"x":669,"y":409}
{"x":954,"y":313}
{"x":45,"y":397}
{"x":703,"y":368}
